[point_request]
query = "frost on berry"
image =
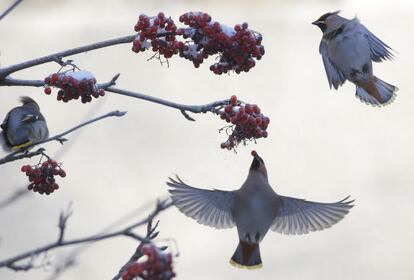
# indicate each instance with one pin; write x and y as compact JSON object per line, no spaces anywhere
{"x":247,"y":123}
{"x":74,"y":85}
{"x":42,"y":176}
{"x":158,"y":265}
{"x":236,"y":49}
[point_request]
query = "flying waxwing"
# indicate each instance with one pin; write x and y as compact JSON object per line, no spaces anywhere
{"x":348,"y":49}
{"x":23,"y":126}
{"x":253,"y":209}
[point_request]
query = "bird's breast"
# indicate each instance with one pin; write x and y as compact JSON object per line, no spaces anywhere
{"x":254,"y":213}
{"x":349,"y":52}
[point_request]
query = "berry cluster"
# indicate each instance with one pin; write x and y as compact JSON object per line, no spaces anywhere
{"x":247,"y":122}
{"x":237,"y":48}
{"x":42,"y":176}
{"x":158,"y":265}
{"x":73,"y":85}
{"x":148,"y":29}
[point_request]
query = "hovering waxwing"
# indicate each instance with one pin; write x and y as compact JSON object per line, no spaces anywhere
{"x":23,"y":126}
{"x":253,"y":209}
{"x":348,"y":49}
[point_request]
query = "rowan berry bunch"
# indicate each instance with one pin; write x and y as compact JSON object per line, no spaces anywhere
{"x":157,"y":266}
{"x":247,"y":122}
{"x":42,"y":176}
{"x":149,"y":34}
{"x":73,"y":85}
{"x":236,"y":48}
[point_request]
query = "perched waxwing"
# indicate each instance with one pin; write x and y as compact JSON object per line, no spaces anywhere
{"x":23,"y":126}
{"x":254,"y":209}
{"x":348,"y":49}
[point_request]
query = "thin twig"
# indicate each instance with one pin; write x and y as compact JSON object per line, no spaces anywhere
{"x":10,"y":8}
{"x":19,"y":154}
{"x":60,"y":242}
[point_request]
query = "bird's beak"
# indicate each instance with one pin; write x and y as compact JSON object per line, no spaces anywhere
{"x":257,"y":160}
{"x":321,"y":24}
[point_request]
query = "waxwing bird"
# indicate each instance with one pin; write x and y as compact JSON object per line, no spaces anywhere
{"x":348,"y":49}
{"x":253,"y":209}
{"x":23,"y":126}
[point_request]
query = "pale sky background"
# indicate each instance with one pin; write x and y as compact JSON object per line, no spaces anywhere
{"x":323,"y":145}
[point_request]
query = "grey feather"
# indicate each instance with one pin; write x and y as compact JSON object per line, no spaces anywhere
{"x":208,"y":207}
{"x":298,"y":216}
{"x":335,"y":77}
{"x":379,"y":50}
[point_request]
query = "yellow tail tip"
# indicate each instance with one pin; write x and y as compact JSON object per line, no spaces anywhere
{"x":252,"y":267}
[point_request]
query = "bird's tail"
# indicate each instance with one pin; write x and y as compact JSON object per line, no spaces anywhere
{"x":247,"y":256}
{"x":376,"y":92}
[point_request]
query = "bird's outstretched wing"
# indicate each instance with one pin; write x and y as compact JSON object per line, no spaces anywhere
{"x":379,"y":50}
{"x":208,"y":207}
{"x":298,"y":216}
{"x":335,"y":77}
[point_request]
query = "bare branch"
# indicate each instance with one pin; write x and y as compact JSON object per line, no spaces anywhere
{"x":10,"y":8}
{"x":4,"y":72}
{"x":71,"y":259}
{"x":210,"y":107}
{"x":60,"y":242}
{"x":22,"y":153}
{"x":151,"y":234}
{"x":16,"y":156}
{"x":13,"y":198}
{"x":20,"y":82}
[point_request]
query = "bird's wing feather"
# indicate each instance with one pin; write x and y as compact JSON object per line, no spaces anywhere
{"x":335,"y":77}
{"x":298,"y":216}
{"x":379,"y":50}
{"x":208,"y":207}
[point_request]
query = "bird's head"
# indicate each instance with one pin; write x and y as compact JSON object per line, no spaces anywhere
{"x":325,"y":20}
{"x":258,"y":165}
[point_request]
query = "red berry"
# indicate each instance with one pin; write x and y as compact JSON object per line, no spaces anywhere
{"x":228,"y":109}
{"x":47,"y":90}
{"x":233,"y":100}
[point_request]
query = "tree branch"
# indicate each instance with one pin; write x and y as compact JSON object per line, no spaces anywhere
{"x":210,"y":107}
{"x":151,"y":234}
{"x":9,"y":81}
{"x":4,"y":72}
{"x":60,"y":242}
{"x":23,"y":153}
{"x":10,"y":8}
{"x":196,"y":109}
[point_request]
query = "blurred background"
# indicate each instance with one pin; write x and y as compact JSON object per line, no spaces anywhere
{"x":323,"y":145}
